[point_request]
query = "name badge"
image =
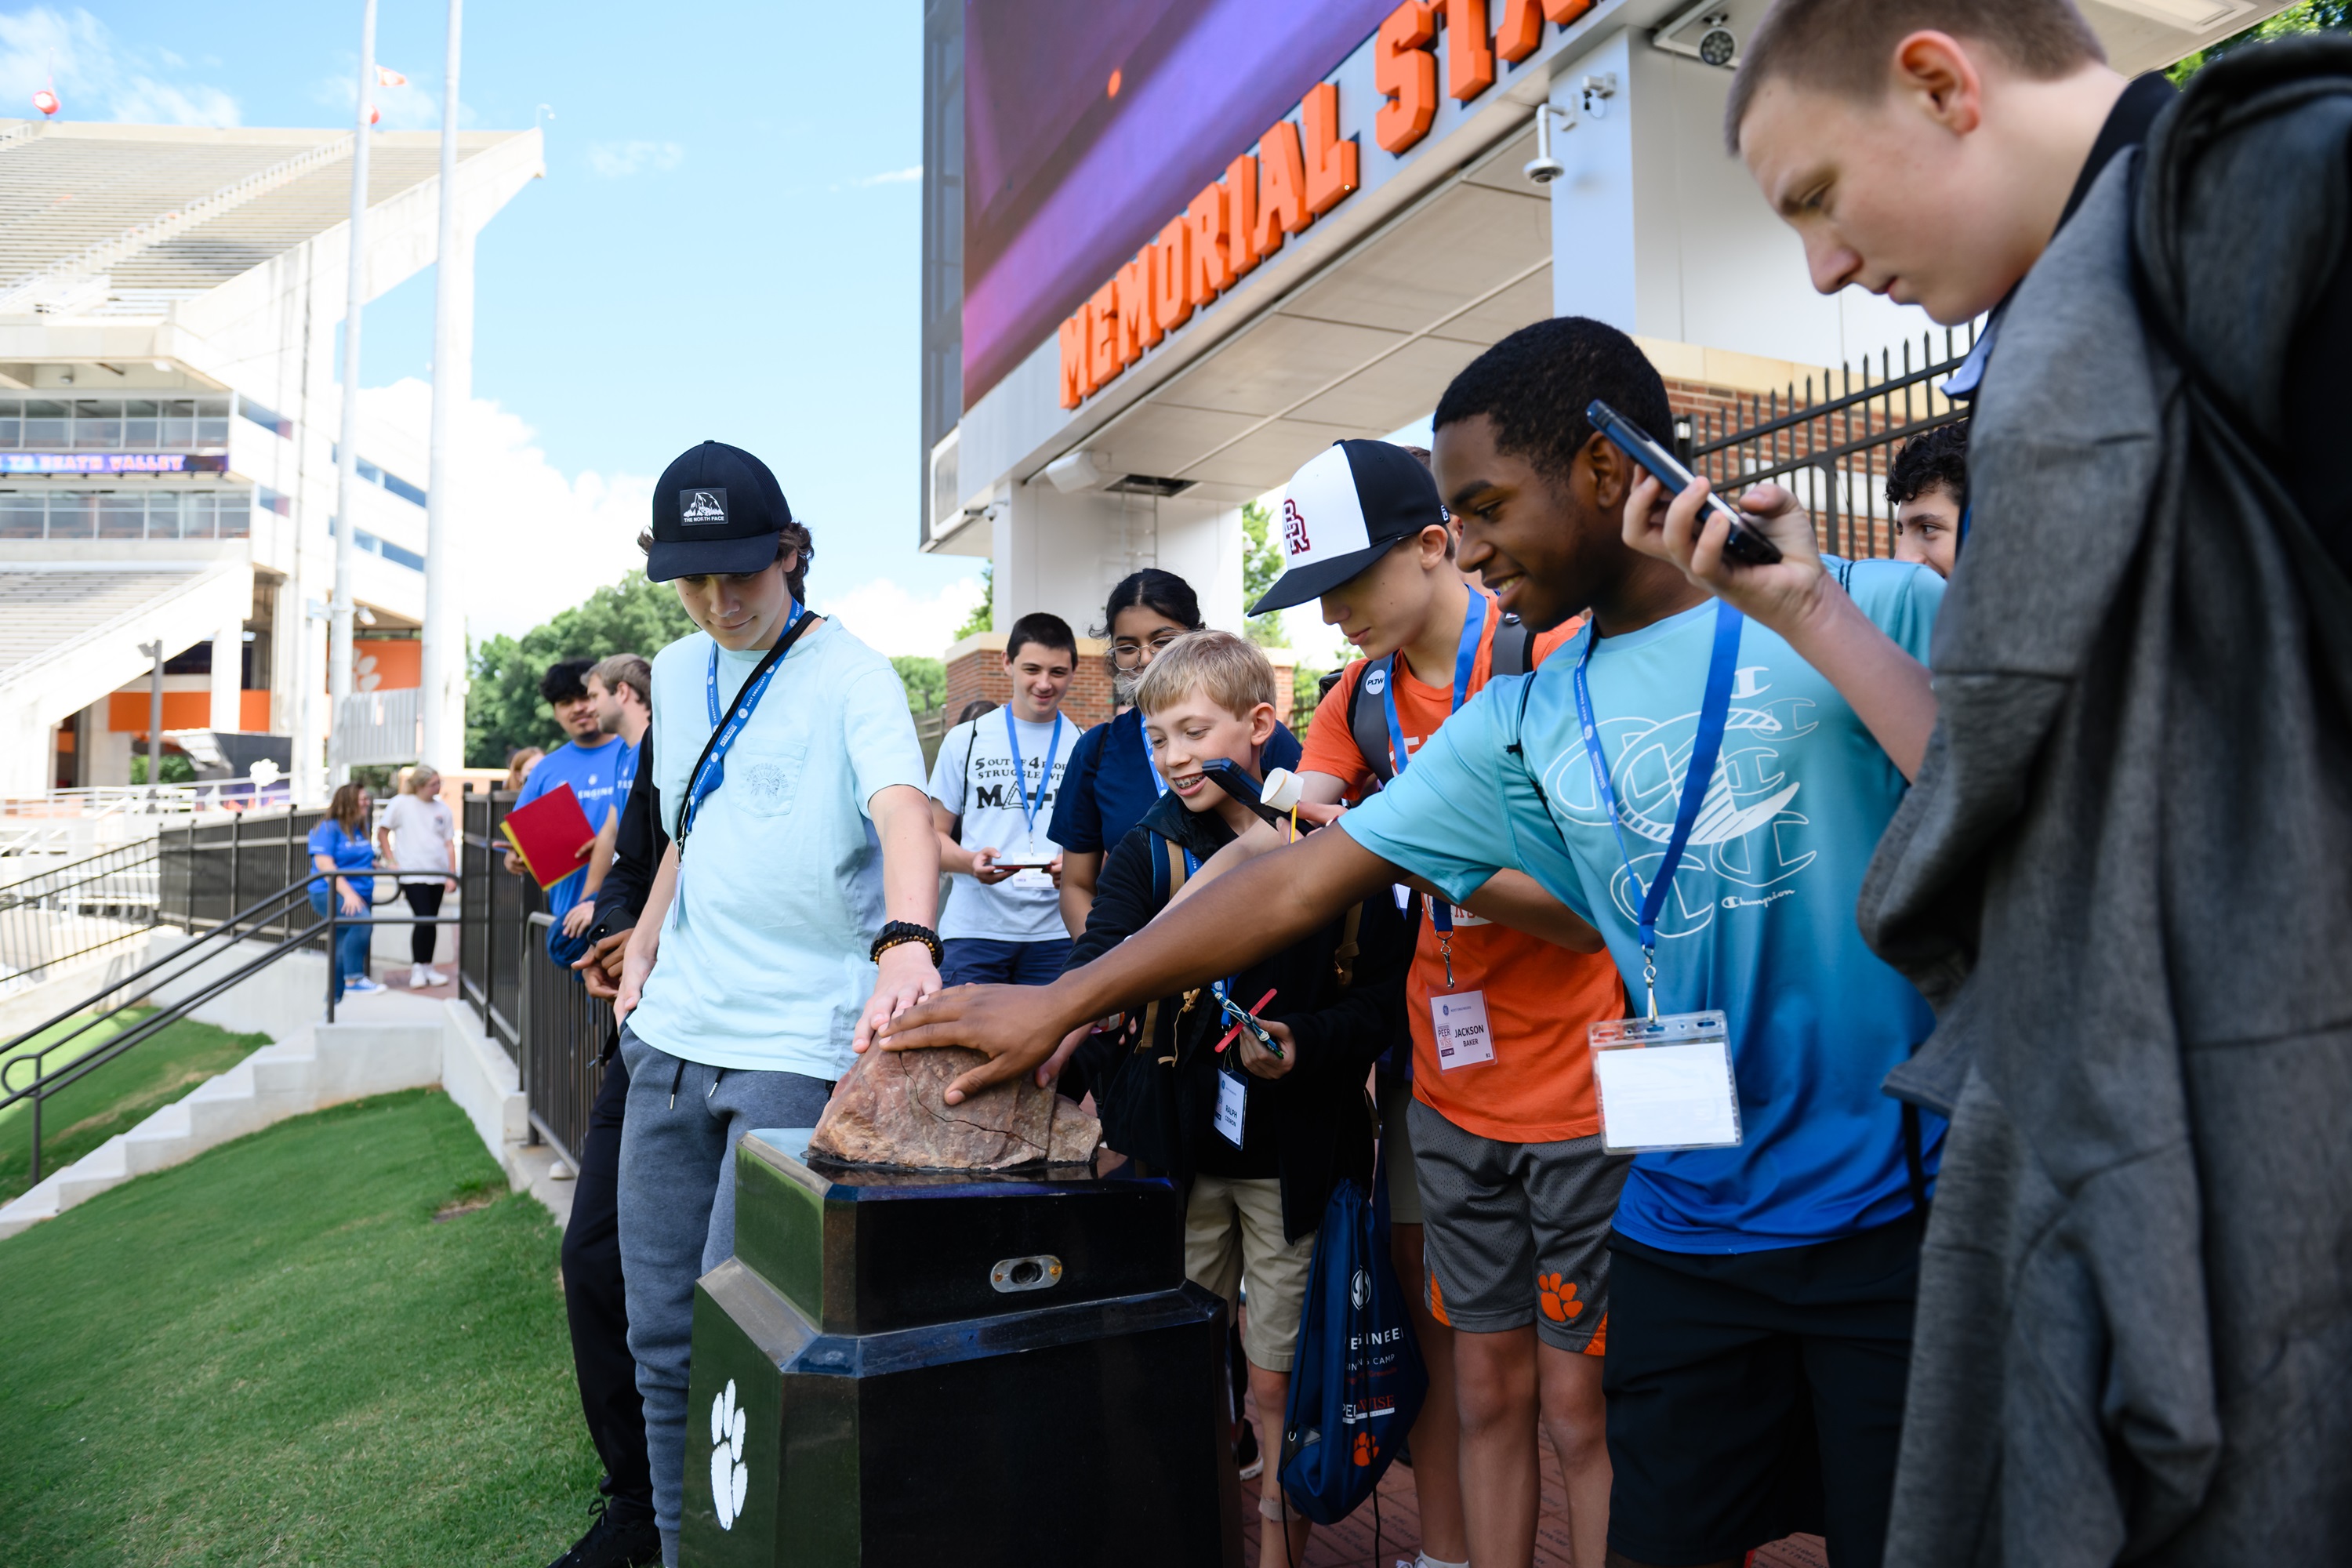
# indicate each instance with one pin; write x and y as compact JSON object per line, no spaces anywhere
{"x":1666,"y":1083}
{"x":1459,"y":1019}
{"x":1233,"y":1099}
{"x":1033,"y":879}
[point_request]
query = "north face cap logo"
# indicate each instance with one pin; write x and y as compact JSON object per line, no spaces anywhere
{"x":703,"y":509}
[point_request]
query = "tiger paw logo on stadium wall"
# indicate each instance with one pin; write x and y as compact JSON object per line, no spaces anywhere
{"x":729,"y":1477}
{"x":1558,"y":1297}
{"x":1366,"y":1450}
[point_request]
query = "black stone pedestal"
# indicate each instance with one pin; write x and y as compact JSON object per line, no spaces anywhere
{"x":904,"y":1368}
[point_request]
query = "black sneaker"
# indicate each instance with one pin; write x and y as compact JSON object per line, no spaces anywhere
{"x":621,"y":1537}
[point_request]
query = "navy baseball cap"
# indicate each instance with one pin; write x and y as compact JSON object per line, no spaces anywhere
{"x":716,"y":509}
{"x":1343,"y":511}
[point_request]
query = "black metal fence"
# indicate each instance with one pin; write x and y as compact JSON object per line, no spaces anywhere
{"x":212,"y":867}
{"x":495,"y":936}
{"x":539,"y":1014}
{"x":563,"y":1030}
{"x":1832,"y":445}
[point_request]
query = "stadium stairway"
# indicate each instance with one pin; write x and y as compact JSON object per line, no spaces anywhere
{"x":378,"y":1043}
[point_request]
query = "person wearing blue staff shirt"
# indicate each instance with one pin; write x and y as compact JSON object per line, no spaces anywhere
{"x":1763,"y":1292}
{"x":993,"y":790}
{"x":790,"y":917}
{"x":591,"y":763}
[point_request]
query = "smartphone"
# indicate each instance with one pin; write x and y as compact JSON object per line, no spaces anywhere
{"x":1743,"y":544}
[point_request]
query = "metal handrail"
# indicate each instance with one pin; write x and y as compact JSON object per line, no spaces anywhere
{"x":133,"y":987}
{"x":58,"y":884}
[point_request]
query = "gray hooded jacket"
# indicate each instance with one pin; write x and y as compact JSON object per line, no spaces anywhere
{"x":2124,"y":878}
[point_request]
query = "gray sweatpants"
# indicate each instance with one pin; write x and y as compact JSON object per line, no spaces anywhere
{"x":677,"y":1223}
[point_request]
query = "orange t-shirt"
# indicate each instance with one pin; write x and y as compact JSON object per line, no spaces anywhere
{"x":1540,"y":997}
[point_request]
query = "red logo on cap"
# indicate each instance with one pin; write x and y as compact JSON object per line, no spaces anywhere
{"x":1293,"y":530}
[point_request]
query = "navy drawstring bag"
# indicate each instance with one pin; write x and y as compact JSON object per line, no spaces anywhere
{"x":1358,"y":1382}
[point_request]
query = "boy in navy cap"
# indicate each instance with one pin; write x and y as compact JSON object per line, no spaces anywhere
{"x":802,"y":874}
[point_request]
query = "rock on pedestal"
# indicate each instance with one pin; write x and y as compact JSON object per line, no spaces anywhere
{"x":891,"y":1109}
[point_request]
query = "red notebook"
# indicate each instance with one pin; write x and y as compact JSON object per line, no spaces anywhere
{"x":552,"y":835}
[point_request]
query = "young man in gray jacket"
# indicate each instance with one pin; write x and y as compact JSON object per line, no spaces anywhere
{"x":2119,"y":876}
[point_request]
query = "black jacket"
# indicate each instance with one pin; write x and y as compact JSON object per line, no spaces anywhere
{"x":638,"y":852}
{"x":1321,"y":1125}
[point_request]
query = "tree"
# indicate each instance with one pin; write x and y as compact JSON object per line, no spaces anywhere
{"x":925,"y":680}
{"x":2309,"y":17}
{"x":503,"y":708}
{"x":1261,"y":565}
{"x":984,"y":615}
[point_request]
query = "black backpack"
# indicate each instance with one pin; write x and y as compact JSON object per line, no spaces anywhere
{"x":1514,"y":654}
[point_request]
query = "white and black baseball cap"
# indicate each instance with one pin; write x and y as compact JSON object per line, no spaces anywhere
{"x":1344,"y":510}
{"x":716,"y":509}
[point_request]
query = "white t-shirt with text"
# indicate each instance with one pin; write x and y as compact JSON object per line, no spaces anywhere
{"x":972,"y":777}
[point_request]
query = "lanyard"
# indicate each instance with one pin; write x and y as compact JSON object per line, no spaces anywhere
{"x":711,"y":772}
{"x":1151,"y":767}
{"x":1714,"y":709}
{"x":1465,"y":658}
{"x":1029,"y":808}
{"x":1473,"y":632}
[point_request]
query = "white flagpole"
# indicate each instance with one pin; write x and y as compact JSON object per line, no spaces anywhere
{"x":338,"y":651}
{"x":453,"y":366}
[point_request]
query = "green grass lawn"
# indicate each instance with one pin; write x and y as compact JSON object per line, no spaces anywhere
{"x":114,"y":1098}
{"x":276,"y":1354}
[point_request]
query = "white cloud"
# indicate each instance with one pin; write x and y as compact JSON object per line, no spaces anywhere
{"x":895,"y":177}
{"x":619,"y":160}
{"x":530,"y":541}
{"x":97,"y":77}
{"x":889,"y":618}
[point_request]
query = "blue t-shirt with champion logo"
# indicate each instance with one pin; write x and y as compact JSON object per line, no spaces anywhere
{"x":594,"y":775}
{"x":1760,"y":923}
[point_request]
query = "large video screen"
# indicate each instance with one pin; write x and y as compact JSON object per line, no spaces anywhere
{"x":1088,"y":125}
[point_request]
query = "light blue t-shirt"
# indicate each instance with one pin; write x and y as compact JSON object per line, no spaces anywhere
{"x":593,"y":773}
{"x":763,"y":964}
{"x":1761,"y":920}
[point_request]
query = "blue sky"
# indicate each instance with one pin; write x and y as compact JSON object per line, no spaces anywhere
{"x":726,"y":245}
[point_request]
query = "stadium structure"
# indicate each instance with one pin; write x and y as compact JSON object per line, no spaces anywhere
{"x":1170,"y":251}
{"x":169,"y":304}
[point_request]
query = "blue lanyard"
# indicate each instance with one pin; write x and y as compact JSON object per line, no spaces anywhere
{"x":714,"y":768}
{"x":1466,"y":660}
{"x":1714,"y":709}
{"x":1029,"y":808}
{"x":1151,"y":767}
{"x":1473,"y":632}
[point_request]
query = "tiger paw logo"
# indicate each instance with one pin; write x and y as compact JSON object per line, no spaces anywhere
{"x":729,"y":1477}
{"x":1558,"y":1297}
{"x":1366,"y":1450}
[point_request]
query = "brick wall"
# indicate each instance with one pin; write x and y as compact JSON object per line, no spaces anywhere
{"x":976,"y":668}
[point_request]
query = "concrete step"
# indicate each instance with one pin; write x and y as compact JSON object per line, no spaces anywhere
{"x":108,"y":1165}
{"x":29,"y":1209}
{"x":320,"y":1065}
{"x":227,"y":1107}
{"x":161,"y":1140}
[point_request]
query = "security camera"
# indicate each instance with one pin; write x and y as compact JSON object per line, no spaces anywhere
{"x":1543,"y":168}
{"x":1716,"y":45}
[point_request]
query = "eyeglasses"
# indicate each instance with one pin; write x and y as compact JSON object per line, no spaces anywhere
{"x":1126,"y":655}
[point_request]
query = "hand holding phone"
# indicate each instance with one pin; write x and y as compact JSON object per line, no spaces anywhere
{"x":1743,"y":544}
